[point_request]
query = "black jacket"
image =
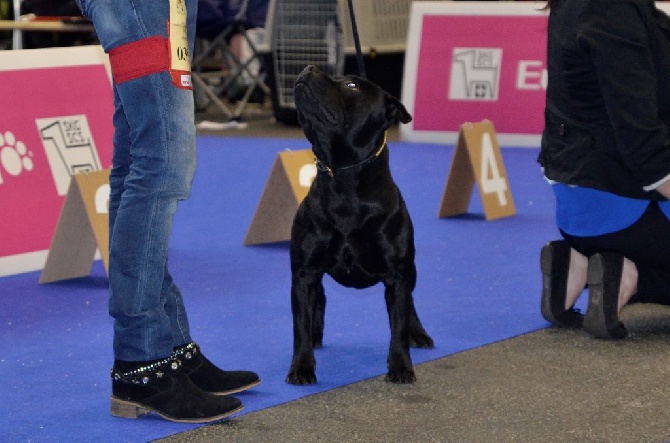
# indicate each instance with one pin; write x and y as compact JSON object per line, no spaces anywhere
{"x":607,"y":114}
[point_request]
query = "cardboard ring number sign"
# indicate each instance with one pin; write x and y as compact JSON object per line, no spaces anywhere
{"x":477,"y":159}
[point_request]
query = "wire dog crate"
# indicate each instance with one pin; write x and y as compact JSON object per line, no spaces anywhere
{"x":382,"y":25}
{"x":301,"y":33}
{"x":319,"y":33}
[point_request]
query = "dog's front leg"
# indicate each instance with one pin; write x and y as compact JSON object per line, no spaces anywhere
{"x":318,"y":320}
{"x":398,"y":303}
{"x":304,"y":297}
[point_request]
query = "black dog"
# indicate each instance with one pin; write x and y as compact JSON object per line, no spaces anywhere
{"x":353,"y":224}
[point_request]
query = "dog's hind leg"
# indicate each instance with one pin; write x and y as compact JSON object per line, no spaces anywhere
{"x":418,"y":337}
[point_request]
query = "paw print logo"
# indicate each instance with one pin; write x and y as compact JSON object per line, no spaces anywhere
{"x":14,"y":156}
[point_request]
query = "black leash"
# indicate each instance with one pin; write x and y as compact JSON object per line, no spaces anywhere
{"x":357,"y":40}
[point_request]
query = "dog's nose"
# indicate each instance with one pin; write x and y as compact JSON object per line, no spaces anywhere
{"x":305,"y":74}
{"x":309,"y":68}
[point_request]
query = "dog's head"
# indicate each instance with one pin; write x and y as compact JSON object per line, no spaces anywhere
{"x":344,"y":118}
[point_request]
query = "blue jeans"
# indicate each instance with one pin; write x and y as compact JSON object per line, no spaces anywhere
{"x":154,"y":163}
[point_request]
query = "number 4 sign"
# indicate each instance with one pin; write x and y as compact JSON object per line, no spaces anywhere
{"x":477,"y":158}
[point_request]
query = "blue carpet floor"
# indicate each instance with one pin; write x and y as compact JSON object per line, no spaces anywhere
{"x":478,"y":283}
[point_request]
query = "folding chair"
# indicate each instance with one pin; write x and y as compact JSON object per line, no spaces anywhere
{"x":218,"y":22}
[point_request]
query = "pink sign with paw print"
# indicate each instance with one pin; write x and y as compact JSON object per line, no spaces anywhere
{"x":57,"y":121}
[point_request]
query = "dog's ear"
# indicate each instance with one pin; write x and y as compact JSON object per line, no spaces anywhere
{"x":395,"y":111}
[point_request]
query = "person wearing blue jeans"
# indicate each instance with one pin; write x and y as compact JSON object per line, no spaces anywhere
{"x":157,"y":367}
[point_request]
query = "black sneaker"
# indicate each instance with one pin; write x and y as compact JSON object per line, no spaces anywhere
{"x":602,"y":315}
{"x":210,"y":378}
{"x":555,"y":264}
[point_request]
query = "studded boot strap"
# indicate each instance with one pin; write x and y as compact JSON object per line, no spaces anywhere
{"x":146,"y":375}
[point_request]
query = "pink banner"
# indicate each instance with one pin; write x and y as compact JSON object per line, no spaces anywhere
{"x":56,"y":121}
{"x":481,"y":67}
{"x":468,"y":63}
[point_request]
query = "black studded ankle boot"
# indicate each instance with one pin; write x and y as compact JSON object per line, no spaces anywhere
{"x":164,"y":388}
{"x":208,"y":377}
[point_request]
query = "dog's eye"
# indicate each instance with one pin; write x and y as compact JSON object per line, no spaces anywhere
{"x":352,"y":85}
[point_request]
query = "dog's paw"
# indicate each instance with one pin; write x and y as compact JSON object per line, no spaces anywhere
{"x":301,"y":378}
{"x":421,"y":340}
{"x":302,"y":370}
{"x":405,"y":376}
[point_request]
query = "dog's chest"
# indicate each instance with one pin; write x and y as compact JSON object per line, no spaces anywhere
{"x":355,"y":267}
{"x":352,"y":224}
{"x":355,"y":260}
